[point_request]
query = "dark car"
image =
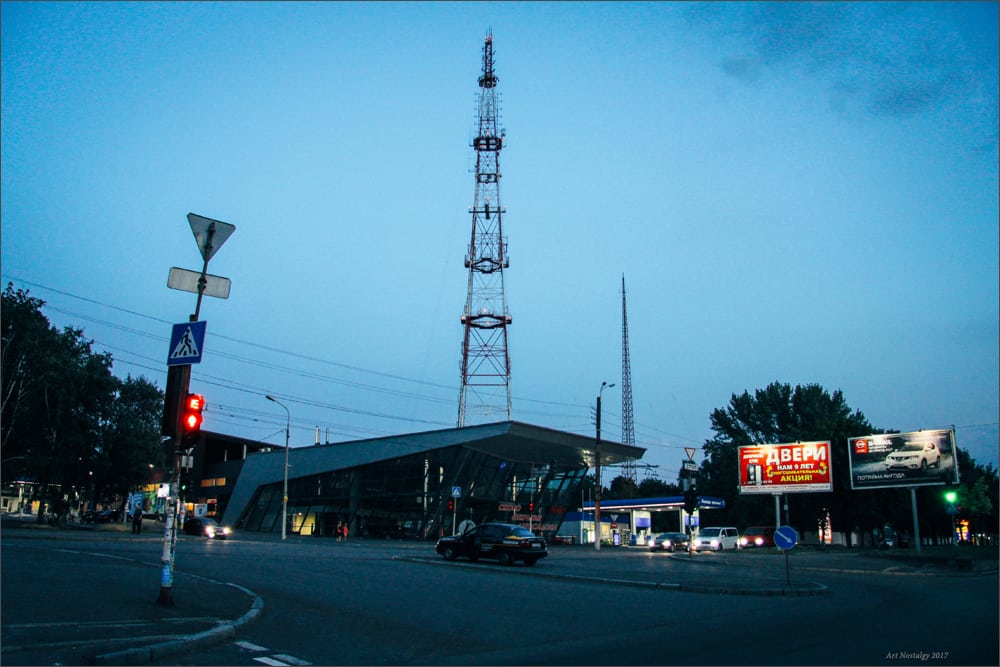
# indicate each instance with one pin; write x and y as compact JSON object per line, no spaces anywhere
{"x":503,"y":541}
{"x":757,"y":536}
{"x":669,"y":542}
{"x":99,"y":516}
{"x":206,"y":527}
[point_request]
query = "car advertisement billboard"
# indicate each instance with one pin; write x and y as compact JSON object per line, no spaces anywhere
{"x":787,"y":468}
{"x":903,"y":459}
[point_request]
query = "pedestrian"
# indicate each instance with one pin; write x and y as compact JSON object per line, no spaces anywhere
{"x":340,"y":529}
{"x":137,"y":521}
{"x":345,"y":531}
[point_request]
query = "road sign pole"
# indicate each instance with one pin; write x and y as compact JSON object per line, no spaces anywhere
{"x":204,"y":230}
{"x":202,"y":280}
{"x":916,"y":523}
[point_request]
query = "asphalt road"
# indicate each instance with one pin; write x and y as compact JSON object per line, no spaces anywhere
{"x":375,"y":603}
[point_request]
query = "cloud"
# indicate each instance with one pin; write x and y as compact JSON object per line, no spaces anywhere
{"x":887,"y":59}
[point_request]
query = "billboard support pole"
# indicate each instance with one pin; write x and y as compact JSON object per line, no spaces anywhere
{"x":916,"y":523}
{"x":777,"y":510}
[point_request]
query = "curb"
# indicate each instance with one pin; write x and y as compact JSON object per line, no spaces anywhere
{"x":146,"y":654}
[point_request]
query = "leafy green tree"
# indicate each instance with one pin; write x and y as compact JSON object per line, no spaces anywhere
{"x":67,"y":422}
{"x":622,"y":488}
{"x":780,"y":413}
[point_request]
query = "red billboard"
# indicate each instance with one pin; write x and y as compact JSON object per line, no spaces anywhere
{"x":794,"y":467}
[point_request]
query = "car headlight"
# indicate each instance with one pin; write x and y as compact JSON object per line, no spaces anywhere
{"x":715,"y":543}
{"x":743,"y":541}
{"x":759,"y":541}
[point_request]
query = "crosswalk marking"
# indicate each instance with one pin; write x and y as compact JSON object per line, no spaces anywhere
{"x":250,"y":647}
{"x":290,"y":659}
{"x":271,"y":661}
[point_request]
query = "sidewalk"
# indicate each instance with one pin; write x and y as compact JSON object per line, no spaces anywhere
{"x":123,"y":625}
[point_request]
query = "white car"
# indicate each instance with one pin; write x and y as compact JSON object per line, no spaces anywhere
{"x":717,"y":539}
{"x":914,"y":456}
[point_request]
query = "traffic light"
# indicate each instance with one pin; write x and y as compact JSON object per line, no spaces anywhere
{"x":691,"y":500}
{"x":451,"y":504}
{"x":191,"y":417}
{"x":951,"y":502}
{"x":531,"y":508}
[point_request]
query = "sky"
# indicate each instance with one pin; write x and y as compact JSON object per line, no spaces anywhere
{"x":797,"y":193}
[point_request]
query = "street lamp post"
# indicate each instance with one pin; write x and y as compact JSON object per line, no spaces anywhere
{"x":284,"y":494}
{"x":597,"y":472}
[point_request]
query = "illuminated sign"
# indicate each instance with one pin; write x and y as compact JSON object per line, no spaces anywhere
{"x":921,"y":458}
{"x":786,"y":468}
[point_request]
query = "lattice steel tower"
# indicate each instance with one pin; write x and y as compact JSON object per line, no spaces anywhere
{"x":485,"y":362}
{"x":628,"y":427}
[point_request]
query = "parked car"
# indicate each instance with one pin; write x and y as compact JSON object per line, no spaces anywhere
{"x":757,"y":536}
{"x":504,"y":542}
{"x":99,"y":516}
{"x":207,"y":527}
{"x":914,"y":456}
{"x":668,"y":542}
{"x":717,"y":539}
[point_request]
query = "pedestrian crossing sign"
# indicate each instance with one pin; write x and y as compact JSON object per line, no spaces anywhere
{"x":187,"y":341}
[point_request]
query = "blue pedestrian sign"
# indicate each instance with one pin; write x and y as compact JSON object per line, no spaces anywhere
{"x":456,"y":492}
{"x":785,"y":538}
{"x":187,"y":341}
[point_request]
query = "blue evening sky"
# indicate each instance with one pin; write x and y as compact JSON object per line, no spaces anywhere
{"x":802,"y":193}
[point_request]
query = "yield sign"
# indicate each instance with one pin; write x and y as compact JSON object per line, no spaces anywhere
{"x":690,"y":452}
{"x":209,"y":234}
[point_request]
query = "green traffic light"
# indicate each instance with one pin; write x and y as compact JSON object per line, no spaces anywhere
{"x":951,"y":496}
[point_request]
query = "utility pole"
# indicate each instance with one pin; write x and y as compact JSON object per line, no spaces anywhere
{"x":597,"y":472}
{"x":485,"y":363}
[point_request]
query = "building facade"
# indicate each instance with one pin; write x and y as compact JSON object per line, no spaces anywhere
{"x":420,"y":486}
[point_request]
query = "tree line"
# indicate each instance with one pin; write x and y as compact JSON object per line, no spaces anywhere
{"x":781,"y":413}
{"x":71,"y":432}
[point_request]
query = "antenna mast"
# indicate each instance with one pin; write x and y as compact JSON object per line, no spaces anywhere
{"x":628,"y":427}
{"x":485,"y":361}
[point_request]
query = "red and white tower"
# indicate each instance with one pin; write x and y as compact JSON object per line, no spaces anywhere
{"x":485,"y":362}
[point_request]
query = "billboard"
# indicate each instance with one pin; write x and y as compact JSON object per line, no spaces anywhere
{"x":922,"y":458}
{"x":788,"y":468}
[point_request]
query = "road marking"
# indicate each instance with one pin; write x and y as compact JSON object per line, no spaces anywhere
{"x":250,"y":647}
{"x":281,"y":660}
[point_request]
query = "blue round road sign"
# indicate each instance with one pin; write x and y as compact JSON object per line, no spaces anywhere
{"x":785,"y":538}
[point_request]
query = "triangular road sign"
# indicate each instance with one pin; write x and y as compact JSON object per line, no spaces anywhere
{"x":209,"y":234}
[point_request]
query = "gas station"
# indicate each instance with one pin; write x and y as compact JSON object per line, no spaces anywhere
{"x":629,"y":522}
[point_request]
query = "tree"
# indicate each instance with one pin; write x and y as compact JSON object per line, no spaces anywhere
{"x":66,"y":420}
{"x":778,"y":414}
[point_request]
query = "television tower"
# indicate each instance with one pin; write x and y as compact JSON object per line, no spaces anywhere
{"x":485,"y":362}
{"x":628,"y":427}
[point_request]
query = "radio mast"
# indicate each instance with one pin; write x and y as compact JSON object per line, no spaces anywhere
{"x":628,"y":427}
{"x":485,"y":364}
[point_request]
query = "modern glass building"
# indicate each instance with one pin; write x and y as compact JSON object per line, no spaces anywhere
{"x":421,"y":485}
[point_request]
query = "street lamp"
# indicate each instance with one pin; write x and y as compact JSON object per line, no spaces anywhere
{"x":284,"y":495}
{"x":597,"y":472}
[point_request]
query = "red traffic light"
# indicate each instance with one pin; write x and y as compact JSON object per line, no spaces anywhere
{"x":451,"y":504}
{"x":191,"y":417}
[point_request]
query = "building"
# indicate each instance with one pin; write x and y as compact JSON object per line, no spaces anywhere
{"x":421,"y":485}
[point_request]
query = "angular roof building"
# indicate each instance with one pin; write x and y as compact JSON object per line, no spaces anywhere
{"x":419,"y":485}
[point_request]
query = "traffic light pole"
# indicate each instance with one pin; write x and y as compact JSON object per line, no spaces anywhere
{"x":182,"y":383}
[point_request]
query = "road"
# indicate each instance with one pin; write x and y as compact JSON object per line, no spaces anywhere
{"x":375,"y":603}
